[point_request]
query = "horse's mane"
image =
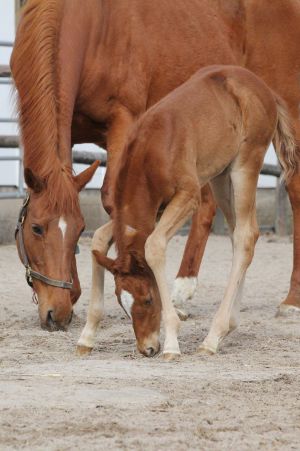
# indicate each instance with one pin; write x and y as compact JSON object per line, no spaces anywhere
{"x":34,"y":69}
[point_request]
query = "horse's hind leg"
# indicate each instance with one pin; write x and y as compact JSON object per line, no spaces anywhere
{"x":245,"y":235}
{"x":292,"y":302}
{"x":101,"y":240}
{"x":186,"y":280}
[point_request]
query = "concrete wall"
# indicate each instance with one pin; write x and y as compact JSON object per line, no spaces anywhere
{"x":95,"y":215}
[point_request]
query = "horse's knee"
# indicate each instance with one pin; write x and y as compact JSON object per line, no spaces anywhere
{"x":207,"y":208}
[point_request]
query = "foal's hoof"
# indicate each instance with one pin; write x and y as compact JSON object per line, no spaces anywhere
{"x":183,"y":316}
{"x":170,"y":356}
{"x":83,"y":350}
{"x":206,"y":350}
{"x":287,"y":310}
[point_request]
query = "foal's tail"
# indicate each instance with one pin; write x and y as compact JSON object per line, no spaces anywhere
{"x":284,"y":141}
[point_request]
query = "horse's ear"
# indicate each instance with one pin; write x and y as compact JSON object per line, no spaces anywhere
{"x":106,"y":262}
{"x":85,"y":176}
{"x":34,"y":182}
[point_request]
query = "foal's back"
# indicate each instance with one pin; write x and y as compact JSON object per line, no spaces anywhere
{"x":208,"y":120}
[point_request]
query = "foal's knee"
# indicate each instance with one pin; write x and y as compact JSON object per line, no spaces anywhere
{"x":101,"y":238}
{"x":155,"y":249}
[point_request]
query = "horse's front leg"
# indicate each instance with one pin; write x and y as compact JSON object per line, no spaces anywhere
{"x":181,"y":207}
{"x":186,"y":280}
{"x":101,"y":242}
{"x":116,"y":139}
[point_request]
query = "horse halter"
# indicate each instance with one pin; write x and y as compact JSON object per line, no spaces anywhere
{"x":30,"y":273}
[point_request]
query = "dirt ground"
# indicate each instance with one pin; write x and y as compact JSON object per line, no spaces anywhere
{"x":247,"y":397}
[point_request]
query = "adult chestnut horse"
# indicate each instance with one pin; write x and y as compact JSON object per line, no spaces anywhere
{"x":85,"y":71}
{"x":216,"y":128}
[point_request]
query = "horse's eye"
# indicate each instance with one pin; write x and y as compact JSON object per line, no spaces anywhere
{"x":148,"y":301}
{"x":38,"y":230}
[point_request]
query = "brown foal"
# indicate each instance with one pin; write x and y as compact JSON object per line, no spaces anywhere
{"x":214,"y":128}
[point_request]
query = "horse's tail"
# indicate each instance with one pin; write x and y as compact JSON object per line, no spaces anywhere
{"x":284,"y":141}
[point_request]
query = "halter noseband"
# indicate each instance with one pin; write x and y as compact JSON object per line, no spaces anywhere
{"x":30,"y":273}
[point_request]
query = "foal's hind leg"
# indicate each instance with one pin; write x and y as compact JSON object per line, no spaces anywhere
{"x":101,"y":240}
{"x":186,"y":280}
{"x":223,"y":192}
{"x":245,"y":235}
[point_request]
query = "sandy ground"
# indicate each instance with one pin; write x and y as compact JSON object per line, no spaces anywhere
{"x":246,"y":397}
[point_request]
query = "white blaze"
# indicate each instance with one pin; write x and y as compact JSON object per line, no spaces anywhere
{"x":63,"y":226}
{"x":127,"y":302}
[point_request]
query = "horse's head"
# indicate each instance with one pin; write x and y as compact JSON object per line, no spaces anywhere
{"x":46,"y":241}
{"x":138,"y":295}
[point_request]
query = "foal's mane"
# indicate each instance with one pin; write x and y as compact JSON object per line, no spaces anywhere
{"x":35,"y":73}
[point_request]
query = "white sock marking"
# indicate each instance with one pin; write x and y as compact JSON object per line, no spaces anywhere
{"x":184,"y":288}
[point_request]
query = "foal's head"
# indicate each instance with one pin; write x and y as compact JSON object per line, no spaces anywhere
{"x":50,"y":232}
{"x":138,"y":295}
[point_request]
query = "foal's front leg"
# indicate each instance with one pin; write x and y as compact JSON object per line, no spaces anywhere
{"x":181,"y":207}
{"x":101,"y":242}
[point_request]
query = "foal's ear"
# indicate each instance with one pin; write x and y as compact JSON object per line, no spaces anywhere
{"x":85,"y":176}
{"x":34,"y":182}
{"x":106,"y":262}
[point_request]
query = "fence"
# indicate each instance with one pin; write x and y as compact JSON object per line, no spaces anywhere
{"x":86,"y":157}
{"x":6,"y":80}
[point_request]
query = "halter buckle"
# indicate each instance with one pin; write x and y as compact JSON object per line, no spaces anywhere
{"x":28,"y":275}
{"x":26,"y":199}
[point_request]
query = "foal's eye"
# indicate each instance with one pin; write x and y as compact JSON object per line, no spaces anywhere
{"x":37,"y":230}
{"x":148,"y":301}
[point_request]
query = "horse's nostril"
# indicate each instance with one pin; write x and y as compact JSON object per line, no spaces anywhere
{"x":71,"y":316}
{"x":50,"y":318}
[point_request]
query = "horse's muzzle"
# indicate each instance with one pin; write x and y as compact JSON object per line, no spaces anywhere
{"x":51,"y":324}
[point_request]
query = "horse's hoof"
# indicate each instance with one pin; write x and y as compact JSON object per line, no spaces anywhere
{"x":183,"y":316}
{"x":170,"y":356}
{"x":287,"y":310}
{"x":206,"y":350}
{"x":83,"y":350}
